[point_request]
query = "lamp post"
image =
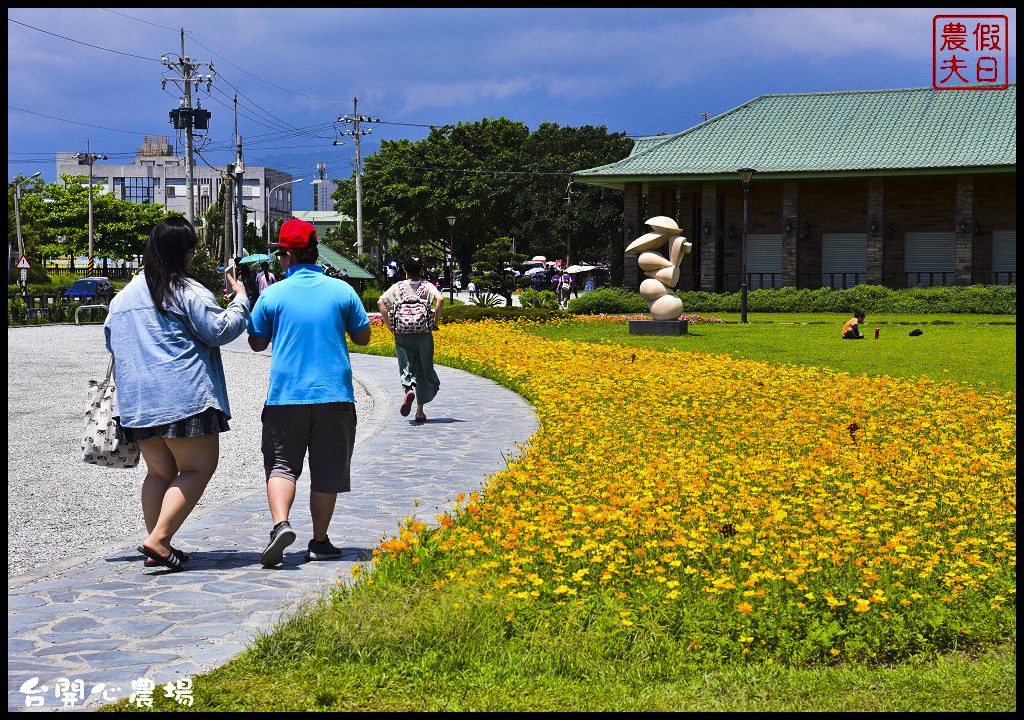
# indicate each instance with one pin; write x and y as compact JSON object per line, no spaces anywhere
{"x":270,"y":195}
{"x":17,"y":219}
{"x":451,"y":249}
{"x":745,"y":174}
{"x":89,"y":158}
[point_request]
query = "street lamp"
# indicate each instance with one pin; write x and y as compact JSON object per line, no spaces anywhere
{"x":267,"y":213}
{"x":745,"y":174}
{"x":17,"y":219}
{"x":451,"y":249}
{"x":88,"y":157}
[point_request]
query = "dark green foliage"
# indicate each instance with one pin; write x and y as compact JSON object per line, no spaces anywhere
{"x":973,"y":299}
{"x":608,"y":300}
{"x":472,"y":313}
{"x":544,"y":299}
{"x":370,"y":297}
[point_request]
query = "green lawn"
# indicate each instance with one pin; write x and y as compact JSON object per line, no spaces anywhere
{"x":391,"y":646}
{"x":980,"y":350}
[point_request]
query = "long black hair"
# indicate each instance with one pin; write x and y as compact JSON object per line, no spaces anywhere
{"x":164,"y":259}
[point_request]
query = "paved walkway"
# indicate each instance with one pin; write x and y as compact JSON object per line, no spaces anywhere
{"x":110,"y":621}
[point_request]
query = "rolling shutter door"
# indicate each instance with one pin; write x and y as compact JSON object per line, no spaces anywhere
{"x":764,"y":261}
{"x":926,"y":256}
{"x":1004,"y":257}
{"x":844,"y":259}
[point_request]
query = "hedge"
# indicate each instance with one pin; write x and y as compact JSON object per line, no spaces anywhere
{"x":474,"y":313}
{"x":608,"y":300}
{"x":968,"y":299}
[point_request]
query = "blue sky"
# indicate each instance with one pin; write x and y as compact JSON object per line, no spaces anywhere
{"x":296,"y":71}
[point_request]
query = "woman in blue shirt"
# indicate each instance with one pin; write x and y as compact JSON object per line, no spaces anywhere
{"x":165,"y":330}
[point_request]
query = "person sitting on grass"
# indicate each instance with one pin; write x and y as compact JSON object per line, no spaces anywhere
{"x":851,"y":330}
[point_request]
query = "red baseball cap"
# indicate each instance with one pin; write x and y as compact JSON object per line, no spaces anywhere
{"x":296,"y":235}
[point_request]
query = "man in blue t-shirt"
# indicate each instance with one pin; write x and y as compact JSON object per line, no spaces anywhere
{"x":310,"y":402}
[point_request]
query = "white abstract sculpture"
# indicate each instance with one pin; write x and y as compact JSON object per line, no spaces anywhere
{"x":662,"y":274}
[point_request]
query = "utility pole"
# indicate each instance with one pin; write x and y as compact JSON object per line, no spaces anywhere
{"x":239,"y":173}
{"x":355,"y":132}
{"x":89,"y":158}
{"x":228,"y":243}
{"x":184,"y":116}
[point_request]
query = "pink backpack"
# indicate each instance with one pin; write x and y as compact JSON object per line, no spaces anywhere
{"x":411,"y":314}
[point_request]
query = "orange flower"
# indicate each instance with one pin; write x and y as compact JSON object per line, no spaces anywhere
{"x":744,"y":607}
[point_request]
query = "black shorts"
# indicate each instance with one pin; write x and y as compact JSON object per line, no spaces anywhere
{"x":326,"y":430}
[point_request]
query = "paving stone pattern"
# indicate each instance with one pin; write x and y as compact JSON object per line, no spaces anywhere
{"x":109,"y":620}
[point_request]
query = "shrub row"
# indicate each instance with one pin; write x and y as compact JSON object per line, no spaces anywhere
{"x":974,"y":299}
{"x":474,"y":313}
{"x":544,"y":299}
{"x":62,"y":312}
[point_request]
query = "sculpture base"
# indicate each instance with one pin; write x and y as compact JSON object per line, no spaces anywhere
{"x":658,"y":327}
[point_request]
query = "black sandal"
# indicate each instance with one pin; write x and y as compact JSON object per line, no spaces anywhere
{"x":183,"y":556}
{"x":172,"y":560}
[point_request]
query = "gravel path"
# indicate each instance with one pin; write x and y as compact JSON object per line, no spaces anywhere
{"x":54,"y":500}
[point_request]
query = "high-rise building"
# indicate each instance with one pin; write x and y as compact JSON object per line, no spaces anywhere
{"x":322,"y":190}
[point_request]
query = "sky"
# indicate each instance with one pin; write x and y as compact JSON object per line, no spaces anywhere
{"x":94,"y":75}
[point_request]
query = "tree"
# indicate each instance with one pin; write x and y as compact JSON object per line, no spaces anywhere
{"x":55,"y":221}
{"x":496,"y":266}
{"x":499,"y":180}
{"x":410,"y":188}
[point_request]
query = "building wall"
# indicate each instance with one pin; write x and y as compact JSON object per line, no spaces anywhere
{"x":257,"y":181}
{"x":883,"y":209}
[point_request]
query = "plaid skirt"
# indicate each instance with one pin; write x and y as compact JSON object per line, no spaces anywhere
{"x":211,"y":420}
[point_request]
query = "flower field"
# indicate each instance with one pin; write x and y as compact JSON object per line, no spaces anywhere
{"x":737,"y":510}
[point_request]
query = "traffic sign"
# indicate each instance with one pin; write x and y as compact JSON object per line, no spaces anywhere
{"x":23,"y":264}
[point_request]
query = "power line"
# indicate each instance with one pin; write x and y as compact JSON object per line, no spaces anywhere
{"x":314,"y":97}
{"x":174,"y":30}
{"x":63,"y":37}
{"x":75,"y":122}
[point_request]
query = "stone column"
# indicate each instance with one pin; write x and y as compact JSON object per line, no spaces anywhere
{"x":709,"y":237}
{"x":790,"y":219}
{"x":964,"y":218}
{"x":631,"y":224}
{"x":876,"y":239}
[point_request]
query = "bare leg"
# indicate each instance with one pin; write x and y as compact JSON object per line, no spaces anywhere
{"x":280,"y":495}
{"x":161,"y":471}
{"x":196,"y":460}
{"x":321,"y":508}
{"x":420,"y":415}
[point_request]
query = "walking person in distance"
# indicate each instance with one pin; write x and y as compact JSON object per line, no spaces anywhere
{"x":411,"y":310}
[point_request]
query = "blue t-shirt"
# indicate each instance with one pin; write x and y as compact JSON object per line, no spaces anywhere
{"x":306,"y":317}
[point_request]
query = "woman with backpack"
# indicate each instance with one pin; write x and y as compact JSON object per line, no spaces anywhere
{"x":411,"y":309}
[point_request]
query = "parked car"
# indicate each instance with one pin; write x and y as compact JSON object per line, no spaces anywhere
{"x":95,"y":288}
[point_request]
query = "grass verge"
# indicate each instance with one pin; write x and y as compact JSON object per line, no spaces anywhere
{"x":633,"y":571}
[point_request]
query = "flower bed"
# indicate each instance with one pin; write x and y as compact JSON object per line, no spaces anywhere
{"x":739,"y":509}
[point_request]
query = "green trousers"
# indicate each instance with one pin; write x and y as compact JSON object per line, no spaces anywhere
{"x":415,"y":353}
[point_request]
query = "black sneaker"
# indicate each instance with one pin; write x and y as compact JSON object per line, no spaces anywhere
{"x":280,"y":537}
{"x":322,"y":550}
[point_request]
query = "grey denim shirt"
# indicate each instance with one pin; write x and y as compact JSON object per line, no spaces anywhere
{"x":168,"y":366}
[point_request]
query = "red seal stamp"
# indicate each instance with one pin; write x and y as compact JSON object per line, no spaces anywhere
{"x":970,"y":52}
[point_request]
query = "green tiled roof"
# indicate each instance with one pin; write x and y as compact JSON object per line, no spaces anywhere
{"x":819,"y":133}
{"x":344,"y":266}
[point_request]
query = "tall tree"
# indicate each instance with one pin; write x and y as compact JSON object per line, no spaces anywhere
{"x":499,"y":180}
{"x":55,"y":221}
